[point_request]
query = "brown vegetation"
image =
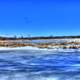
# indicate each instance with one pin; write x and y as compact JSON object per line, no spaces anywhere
{"x":64,"y":45}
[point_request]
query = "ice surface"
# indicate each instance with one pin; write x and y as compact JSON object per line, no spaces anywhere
{"x":38,"y":64}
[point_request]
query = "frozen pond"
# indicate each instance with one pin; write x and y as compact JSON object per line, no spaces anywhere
{"x":39,"y":65}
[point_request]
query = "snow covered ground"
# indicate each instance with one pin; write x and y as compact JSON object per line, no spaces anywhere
{"x":39,"y":49}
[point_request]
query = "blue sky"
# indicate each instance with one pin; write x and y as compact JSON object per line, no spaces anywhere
{"x":39,"y":17}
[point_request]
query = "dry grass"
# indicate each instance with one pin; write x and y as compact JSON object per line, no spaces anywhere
{"x":12,"y":43}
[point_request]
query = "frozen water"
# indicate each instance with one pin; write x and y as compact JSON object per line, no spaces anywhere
{"x":39,"y":65}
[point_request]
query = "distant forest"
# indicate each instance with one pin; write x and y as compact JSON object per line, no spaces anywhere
{"x":41,"y":37}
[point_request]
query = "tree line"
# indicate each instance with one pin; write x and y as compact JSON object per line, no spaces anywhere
{"x":40,"y":37}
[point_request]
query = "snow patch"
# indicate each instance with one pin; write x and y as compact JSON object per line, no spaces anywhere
{"x":42,"y":49}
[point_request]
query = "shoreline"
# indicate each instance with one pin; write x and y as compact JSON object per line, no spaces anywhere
{"x":45,"y":44}
{"x":38,"y":49}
